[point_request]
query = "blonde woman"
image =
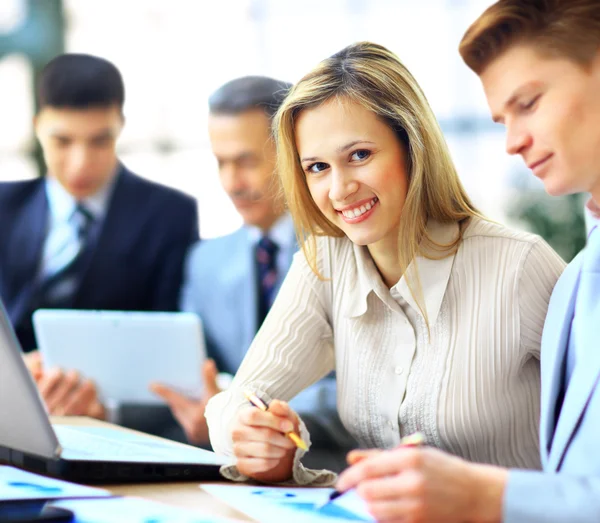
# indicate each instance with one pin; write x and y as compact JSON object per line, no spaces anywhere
{"x":430,"y":315}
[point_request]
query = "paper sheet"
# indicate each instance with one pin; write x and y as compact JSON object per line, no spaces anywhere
{"x":132,"y":510}
{"x":292,"y":505}
{"x":17,"y":484}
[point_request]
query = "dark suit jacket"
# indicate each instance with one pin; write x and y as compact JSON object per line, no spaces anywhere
{"x":134,"y":261}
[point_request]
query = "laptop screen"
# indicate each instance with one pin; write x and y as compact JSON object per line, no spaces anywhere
{"x":24,"y":423}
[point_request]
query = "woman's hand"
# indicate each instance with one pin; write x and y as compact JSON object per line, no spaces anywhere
{"x":262,"y":449}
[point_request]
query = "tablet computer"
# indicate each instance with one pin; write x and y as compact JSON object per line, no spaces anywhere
{"x":123,"y":352}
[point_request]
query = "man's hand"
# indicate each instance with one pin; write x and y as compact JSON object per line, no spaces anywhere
{"x":424,"y":485}
{"x":34,"y":364}
{"x":190,"y":412}
{"x":64,"y":392}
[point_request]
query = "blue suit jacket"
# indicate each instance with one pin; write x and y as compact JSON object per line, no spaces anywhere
{"x":135,"y":261}
{"x":569,"y":488}
{"x":220,"y":286}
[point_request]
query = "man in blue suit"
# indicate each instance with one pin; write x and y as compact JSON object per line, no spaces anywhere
{"x":90,"y":234}
{"x":539,"y":62}
{"x":232,"y":281}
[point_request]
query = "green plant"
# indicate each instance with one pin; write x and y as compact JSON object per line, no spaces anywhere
{"x":559,"y":220}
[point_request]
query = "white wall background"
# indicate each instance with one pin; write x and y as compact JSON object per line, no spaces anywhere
{"x":174,"y":54}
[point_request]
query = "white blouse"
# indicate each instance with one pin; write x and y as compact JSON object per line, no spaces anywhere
{"x":470,"y":383}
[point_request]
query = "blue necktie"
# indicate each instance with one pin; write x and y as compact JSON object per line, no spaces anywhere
{"x":266,"y":263}
{"x":60,"y":278}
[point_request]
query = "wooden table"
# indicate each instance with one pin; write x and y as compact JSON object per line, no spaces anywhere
{"x":186,"y":495}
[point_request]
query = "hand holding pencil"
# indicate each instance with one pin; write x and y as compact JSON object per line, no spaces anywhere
{"x":412,"y":440}
{"x":412,"y":482}
{"x":257,"y":402}
{"x":263,"y":440}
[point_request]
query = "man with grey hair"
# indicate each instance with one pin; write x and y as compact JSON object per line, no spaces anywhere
{"x":232,"y":281}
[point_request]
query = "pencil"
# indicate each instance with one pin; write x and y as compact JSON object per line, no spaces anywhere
{"x":257,"y":402}
{"x":413,"y":440}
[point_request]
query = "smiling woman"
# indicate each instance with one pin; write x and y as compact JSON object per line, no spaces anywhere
{"x":430,"y":315}
{"x":359,"y":185}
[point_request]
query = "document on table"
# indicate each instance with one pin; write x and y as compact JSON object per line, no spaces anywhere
{"x":292,"y":505}
{"x":16,"y":484}
{"x":132,"y":510}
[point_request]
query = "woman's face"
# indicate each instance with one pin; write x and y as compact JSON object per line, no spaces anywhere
{"x":356,"y":170}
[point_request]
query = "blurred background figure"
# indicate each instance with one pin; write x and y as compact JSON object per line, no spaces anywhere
{"x":231,"y":281}
{"x":166,"y":136}
{"x":90,"y":234}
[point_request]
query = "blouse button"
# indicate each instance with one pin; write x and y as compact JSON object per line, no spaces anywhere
{"x":398,"y":370}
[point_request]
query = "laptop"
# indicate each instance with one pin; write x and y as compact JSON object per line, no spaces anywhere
{"x":122,"y":352}
{"x":92,"y":455}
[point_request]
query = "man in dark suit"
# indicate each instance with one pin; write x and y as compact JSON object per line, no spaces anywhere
{"x":91,"y":234}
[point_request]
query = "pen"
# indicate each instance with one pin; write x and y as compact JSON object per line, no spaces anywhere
{"x":257,"y":402}
{"x":412,"y":440}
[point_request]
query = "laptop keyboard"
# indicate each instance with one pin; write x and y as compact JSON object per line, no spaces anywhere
{"x":82,"y":444}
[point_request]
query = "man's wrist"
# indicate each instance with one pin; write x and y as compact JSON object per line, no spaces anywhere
{"x":486,"y":486}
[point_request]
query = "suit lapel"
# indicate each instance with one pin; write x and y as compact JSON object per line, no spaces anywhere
{"x":554,"y":343}
{"x":248,"y":305}
{"x":582,"y":384}
{"x":25,"y":250}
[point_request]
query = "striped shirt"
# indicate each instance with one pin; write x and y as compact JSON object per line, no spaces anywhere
{"x":470,"y":381}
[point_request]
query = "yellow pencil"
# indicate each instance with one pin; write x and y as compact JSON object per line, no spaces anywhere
{"x":413,"y":440}
{"x":257,"y":402}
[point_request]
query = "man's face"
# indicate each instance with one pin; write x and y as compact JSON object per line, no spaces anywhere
{"x":551,"y":110}
{"x":246,"y":156}
{"x":80,"y":146}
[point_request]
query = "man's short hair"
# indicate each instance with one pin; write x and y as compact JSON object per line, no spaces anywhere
{"x":80,"y":81}
{"x":249,"y":92}
{"x":564,"y":28}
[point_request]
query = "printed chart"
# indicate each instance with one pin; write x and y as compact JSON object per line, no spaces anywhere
{"x":292,"y":505}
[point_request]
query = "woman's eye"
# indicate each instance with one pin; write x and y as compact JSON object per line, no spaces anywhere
{"x":316,"y":167}
{"x":361,"y":154}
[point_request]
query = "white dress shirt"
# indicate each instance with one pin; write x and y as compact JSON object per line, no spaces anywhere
{"x":591,"y":214}
{"x":470,"y":382}
{"x":62,"y":230}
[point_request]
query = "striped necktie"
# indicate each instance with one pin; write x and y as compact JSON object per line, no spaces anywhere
{"x":266,"y":262}
{"x":60,"y":278}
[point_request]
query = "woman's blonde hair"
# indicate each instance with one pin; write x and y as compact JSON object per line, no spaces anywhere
{"x":374,"y":77}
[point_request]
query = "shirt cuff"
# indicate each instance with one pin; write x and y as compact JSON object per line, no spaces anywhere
{"x":301,"y":476}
